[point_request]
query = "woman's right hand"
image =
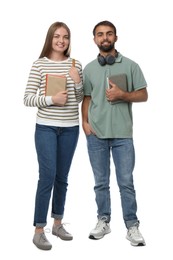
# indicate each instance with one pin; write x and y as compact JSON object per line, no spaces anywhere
{"x":60,"y":99}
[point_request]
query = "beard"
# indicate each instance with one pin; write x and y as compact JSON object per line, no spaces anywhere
{"x":106,"y":48}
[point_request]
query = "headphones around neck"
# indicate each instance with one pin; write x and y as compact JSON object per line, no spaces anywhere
{"x":109,"y":59}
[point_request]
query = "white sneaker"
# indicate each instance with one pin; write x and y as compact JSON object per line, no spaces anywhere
{"x":135,"y":237}
{"x":102,"y":228}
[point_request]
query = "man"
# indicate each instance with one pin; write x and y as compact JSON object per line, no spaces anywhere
{"x":112,"y":83}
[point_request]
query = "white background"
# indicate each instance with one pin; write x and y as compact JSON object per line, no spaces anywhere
{"x":144,"y":29}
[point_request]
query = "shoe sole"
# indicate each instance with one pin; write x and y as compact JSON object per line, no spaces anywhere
{"x":63,"y":238}
{"x":42,"y":248}
{"x":98,"y":237}
{"x":136,"y":244}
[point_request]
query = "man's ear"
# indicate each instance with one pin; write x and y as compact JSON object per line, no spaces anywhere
{"x":116,"y":38}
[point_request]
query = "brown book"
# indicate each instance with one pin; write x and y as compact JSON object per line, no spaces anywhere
{"x":55,"y":84}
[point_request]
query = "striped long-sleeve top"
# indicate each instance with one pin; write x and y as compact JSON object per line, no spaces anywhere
{"x":34,"y":96}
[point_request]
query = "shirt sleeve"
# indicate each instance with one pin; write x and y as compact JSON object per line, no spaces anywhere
{"x":87,"y":85}
{"x":138,"y":78}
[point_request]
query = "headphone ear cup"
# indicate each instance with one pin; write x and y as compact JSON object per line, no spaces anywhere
{"x":110,"y":59}
{"x":101,"y":60}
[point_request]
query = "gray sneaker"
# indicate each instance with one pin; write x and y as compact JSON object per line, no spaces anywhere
{"x":41,"y":241}
{"x":135,"y":237}
{"x":59,"y":231}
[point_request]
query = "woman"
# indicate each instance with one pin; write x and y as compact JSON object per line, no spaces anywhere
{"x":57,"y":128}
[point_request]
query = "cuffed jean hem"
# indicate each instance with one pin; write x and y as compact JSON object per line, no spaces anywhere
{"x":106,"y":218}
{"x":131,"y":223}
{"x":55,"y":216}
{"x":40,"y":225}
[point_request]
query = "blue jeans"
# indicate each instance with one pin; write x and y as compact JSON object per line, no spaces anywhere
{"x":123,"y":155}
{"x":55,"y":148}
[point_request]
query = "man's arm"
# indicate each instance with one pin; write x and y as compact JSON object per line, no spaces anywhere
{"x":86,"y":126}
{"x":115,"y":93}
{"x":140,"y":95}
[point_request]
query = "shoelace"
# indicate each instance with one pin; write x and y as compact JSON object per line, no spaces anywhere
{"x":43,"y":237}
{"x":101,"y":222}
{"x":48,"y":230}
{"x":135,"y":231}
{"x":63,"y":229}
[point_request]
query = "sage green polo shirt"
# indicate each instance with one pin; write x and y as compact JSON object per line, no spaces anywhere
{"x":107,"y":120}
